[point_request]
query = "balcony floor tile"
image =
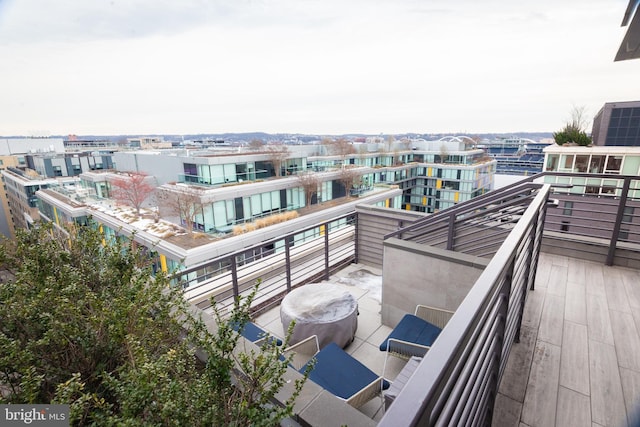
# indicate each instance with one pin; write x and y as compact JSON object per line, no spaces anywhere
{"x":585,"y":368}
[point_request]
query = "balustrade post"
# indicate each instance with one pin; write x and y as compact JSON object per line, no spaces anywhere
{"x":622,"y":203}
{"x":287,"y":255}
{"x":234,"y":276}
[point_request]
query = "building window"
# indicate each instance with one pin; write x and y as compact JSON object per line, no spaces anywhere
{"x":581,"y":163}
{"x":623,"y":234}
{"x":568,"y":161}
{"x":568,"y":208}
{"x":552,"y":162}
{"x":597,"y":164}
{"x":628,"y":214}
{"x":564,"y":226}
{"x":592,"y":189}
{"x":608,"y":190}
{"x":190,"y":169}
{"x":614,"y":164}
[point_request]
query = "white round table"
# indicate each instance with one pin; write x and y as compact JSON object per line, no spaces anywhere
{"x":324,"y":309}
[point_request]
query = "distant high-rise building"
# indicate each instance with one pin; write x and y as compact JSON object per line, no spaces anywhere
{"x":617,"y":123}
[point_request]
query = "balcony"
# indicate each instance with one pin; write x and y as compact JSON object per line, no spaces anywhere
{"x":545,"y":332}
{"x":577,"y":360}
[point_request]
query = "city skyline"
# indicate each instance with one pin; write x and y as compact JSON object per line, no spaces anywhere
{"x":308,"y":67}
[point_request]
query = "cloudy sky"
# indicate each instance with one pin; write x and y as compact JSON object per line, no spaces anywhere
{"x":308,"y":66}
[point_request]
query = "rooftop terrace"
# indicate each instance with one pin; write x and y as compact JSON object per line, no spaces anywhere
{"x":577,"y":361}
{"x":546,"y":330}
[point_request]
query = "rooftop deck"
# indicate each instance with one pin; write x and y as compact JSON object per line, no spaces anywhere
{"x":370,"y":332}
{"x":578,"y":360}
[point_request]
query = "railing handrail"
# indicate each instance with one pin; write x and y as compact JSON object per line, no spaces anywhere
{"x":510,"y":189}
{"x":261,"y":244}
{"x":413,"y":402}
{"x":469,"y":206}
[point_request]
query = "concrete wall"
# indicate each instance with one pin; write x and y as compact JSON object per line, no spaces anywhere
{"x":418,"y":274}
{"x":165,"y":168}
{"x":373,"y":224}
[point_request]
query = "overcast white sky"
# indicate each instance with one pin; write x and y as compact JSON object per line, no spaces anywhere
{"x":308,"y":66}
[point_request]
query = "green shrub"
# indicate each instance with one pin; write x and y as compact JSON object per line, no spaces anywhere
{"x":87,"y":324}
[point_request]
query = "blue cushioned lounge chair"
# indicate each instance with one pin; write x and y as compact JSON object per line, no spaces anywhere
{"x":415,"y":333}
{"x":254,"y":333}
{"x":345,"y":377}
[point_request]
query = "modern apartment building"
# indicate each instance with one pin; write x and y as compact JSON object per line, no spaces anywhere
{"x":21,"y":187}
{"x":173,"y":247}
{"x":6,"y":224}
{"x":613,"y":170}
{"x":433,"y":175}
{"x":69,"y":164}
{"x":13,"y":153}
{"x":232,"y":189}
{"x":598,"y":160}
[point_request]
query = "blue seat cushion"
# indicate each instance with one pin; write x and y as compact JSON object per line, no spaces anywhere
{"x":339,"y":373}
{"x":413,"y":329}
{"x":252,"y":332}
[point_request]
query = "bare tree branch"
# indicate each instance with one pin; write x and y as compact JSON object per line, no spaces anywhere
{"x":341,"y":147}
{"x":132,"y":188}
{"x":256,"y":144}
{"x":183,"y":202}
{"x":309,"y":182}
{"x":347,"y":178}
{"x":278,"y":154}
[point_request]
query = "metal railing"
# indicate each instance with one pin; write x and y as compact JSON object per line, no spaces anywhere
{"x":601,"y":209}
{"x":478,"y":227}
{"x":457,"y":381}
{"x":305,"y":256}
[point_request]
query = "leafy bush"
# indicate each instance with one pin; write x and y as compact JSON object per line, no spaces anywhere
{"x":85,"y":323}
{"x":571,"y":134}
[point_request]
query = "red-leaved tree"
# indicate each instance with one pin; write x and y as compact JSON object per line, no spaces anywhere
{"x":132,"y":188}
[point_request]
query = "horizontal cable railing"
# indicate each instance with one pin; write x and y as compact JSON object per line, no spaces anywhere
{"x":599,"y":210}
{"x":477,"y":227}
{"x":457,"y":381}
{"x":305,"y":256}
{"x":603,"y":208}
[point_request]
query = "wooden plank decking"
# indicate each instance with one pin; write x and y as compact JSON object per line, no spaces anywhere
{"x":578,"y":360}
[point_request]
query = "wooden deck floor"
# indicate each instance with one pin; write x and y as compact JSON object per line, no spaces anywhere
{"x":578,"y":361}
